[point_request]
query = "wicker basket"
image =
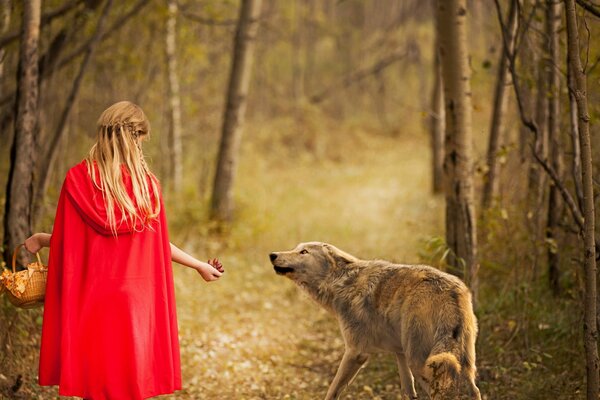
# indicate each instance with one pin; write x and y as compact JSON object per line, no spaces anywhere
{"x":35,"y":285}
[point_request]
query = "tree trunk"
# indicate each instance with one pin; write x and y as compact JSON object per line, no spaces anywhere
{"x":310,"y":21}
{"x":5,"y":10}
{"x":537,"y":179}
{"x":233,"y":119}
{"x":589,"y":325}
{"x":574,"y":125}
{"x":490,"y":188}
{"x":5,"y":7}
{"x":553,"y":93}
{"x":461,"y":231}
{"x":437,"y":125}
{"x":50,"y":153}
{"x":19,"y":189}
{"x":174,"y":102}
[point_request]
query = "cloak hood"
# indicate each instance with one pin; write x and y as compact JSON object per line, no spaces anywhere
{"x":89,"y":203}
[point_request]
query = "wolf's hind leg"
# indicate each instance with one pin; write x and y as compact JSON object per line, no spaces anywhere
{"x":469,"y":374}
{"x":406,"y":377}
{"x":351,"y":363}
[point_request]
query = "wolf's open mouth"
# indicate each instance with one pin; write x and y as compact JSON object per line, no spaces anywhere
{"x":283,"y":270}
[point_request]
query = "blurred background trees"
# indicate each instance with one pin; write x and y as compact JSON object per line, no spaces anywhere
{"x":356,"y":116}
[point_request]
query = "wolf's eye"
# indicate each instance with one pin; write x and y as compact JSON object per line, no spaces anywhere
{"x":304,"y":251}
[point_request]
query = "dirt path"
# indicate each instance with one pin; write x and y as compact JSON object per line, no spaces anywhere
{"x":254,"y":335}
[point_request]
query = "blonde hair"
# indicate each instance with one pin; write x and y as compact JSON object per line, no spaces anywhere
{"x":120,"y":129}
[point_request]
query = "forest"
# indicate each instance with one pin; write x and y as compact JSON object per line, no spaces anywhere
{"x":461,"y":134}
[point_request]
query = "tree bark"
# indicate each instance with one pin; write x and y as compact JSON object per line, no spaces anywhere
{"x":50,"y":152}
{"x":589,"y":325}
{"x":490,"y":188}
{"x":537,"y":180}
{"x":574,"y":125}
{"x":235,"y":109}
{"x":5,"y":7}
{"x":461,"y":231}
{"x":174,"y":142}
{"x":437,"y":121}
{"x":553,"y":94}
{"x":5,"y":10}
{"x":19,"y":188}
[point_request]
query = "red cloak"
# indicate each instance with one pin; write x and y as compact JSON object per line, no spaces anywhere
{"x":110,"y":324}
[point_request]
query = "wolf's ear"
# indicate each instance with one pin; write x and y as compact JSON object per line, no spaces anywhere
{"x":336,"y":256}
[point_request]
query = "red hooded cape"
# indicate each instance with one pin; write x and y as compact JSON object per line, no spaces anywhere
{"x":110,"y":324}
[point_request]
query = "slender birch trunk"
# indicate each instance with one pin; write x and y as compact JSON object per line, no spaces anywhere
{"x":490,"y":188}
{"x":574,"y":125}
{"x":19,"y":189}
{"x":461,"y":231}
{"x":590,"y":332}
{"x":174,"y":141}
{"x":233,"y":120}
{"x":437,"y":125}
{"x":553,"y":93}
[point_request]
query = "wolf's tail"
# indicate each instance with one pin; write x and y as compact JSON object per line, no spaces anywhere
{"x":453,"y":352}
{"x":441,"y":371}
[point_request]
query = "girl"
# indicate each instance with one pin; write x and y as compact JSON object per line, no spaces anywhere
{"x":110,"y":325}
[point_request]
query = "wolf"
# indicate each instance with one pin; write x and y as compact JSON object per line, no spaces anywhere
{"x":422,"y":315}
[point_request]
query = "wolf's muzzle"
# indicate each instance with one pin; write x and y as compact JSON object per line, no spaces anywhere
{"x":282,"y":270}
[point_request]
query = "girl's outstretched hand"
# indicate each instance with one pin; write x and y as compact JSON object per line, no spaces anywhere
{"x":217,"y":264}
{"x":208,"y":272}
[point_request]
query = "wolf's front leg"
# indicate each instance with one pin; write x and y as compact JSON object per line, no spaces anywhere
{"x":351,"y":363}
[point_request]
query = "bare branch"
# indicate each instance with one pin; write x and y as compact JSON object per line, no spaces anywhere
{"x":207,"y":21}
{"x":46,"y":18}
{"x":360,"y":74}
{"x":577,"y":217}
{"x":532,"y":126}
{"x":116,"y":25}
{"x":50,"y":152}
{"x":589,"y":7}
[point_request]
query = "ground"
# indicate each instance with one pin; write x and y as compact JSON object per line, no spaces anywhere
{"x":253,"y":334}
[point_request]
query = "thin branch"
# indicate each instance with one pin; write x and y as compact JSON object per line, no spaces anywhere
{"x":589,"y":7}
{"x":587,"y":50}
{"x":50,"y":153}
{"x":117,"y":24}
{"x":563,"y":190}
{"x":46,"y":18}
{"x":207,"y":21}
{"x":532,"y":126}
{"x":359,"y":75}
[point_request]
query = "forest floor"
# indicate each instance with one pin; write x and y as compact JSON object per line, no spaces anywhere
{"x":255,"y":335}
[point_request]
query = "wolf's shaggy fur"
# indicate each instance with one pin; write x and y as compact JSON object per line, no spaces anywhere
{"x":421,"y":314}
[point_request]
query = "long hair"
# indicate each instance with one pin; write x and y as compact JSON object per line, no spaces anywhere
{"x":120,"y":130}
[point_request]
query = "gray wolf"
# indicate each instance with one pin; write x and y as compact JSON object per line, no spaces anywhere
{"x":422,"y":315}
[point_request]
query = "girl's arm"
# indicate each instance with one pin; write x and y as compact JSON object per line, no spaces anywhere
{"x":207,"y":271}
{"x":36,"y":241}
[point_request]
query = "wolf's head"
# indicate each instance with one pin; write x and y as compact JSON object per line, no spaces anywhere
{"x":309,"y":262}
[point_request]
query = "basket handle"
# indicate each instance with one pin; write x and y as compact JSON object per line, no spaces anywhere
{"x":14,"y":258}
